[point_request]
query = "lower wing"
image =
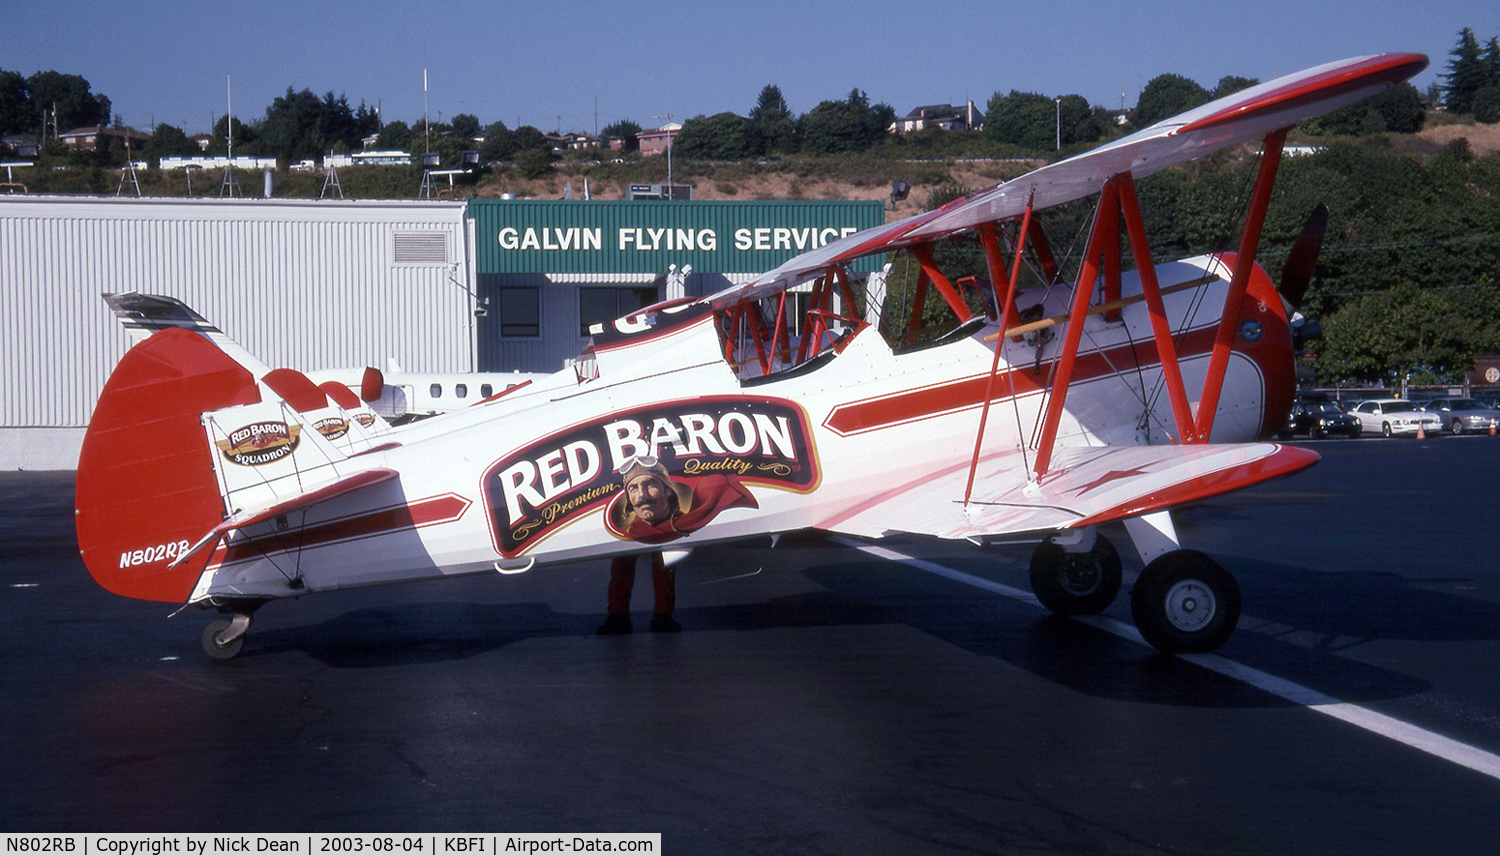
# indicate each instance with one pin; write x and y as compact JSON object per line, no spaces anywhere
{"x":1086,"y":486}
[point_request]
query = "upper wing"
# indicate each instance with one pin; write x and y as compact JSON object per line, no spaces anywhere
{"x":1245,"y":115}
{"x":1085,"y":487}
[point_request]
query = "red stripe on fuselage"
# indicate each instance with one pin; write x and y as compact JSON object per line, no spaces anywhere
{"x":855,"y":417}
{"x":1272,"y":353}
{"x":423,"y":512}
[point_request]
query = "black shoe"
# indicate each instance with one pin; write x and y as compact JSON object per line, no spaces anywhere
{"x":614,"y":625}
{"x":664,"y":624}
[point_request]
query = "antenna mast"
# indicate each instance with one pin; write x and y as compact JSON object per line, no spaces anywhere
{"x":230,"y":186}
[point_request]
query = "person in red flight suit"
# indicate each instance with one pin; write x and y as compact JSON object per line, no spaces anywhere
{"x":650,"y":501}
{"x":654,"y":508}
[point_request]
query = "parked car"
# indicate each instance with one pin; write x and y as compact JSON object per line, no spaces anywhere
{"x":1319,"y":418}
{"x":1459,"y":415}
{"x":1391,"y":417}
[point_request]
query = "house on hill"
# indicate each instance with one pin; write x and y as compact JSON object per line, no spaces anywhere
{"x":944,"y":116}
{"x":656,"y":142}
{"x":89,"y":138}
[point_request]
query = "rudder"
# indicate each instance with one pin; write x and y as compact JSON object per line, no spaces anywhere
{"x":146,"y":488}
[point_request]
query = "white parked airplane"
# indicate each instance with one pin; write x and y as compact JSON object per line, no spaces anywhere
{"x":206,"y":479}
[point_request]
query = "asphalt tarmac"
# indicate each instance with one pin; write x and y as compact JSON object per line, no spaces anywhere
{"x":821,"y":699}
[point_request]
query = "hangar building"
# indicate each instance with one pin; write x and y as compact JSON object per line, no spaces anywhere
{"x":484,"y":285}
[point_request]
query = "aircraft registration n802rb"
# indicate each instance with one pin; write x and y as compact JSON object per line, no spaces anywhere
{"x":973,"y":408}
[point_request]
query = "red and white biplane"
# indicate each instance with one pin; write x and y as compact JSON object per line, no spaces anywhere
{"x":792,"y":402}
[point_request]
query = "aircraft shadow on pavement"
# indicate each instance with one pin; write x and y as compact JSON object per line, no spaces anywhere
{"x":1097,"y":663}
{"x":415,"y":633}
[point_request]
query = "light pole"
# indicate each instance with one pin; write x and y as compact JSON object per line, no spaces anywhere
{"x":1058,"y":102}
{"x":668,"y":117}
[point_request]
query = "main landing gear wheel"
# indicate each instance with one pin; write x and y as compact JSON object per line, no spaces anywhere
{"x":224,"y":637}
{"x":1185,"y":603}
{"x":1076,"y":583}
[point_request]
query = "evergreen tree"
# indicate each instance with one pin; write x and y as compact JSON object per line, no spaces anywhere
{"x":772,"y":127}
{"x":1492,"y":60}
{"x":626,"y":130}
{"x":1466,"y":75}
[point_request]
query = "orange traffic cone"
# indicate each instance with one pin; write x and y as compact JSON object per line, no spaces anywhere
{"x":1421,"y":434}
{"x":1492,"y":427}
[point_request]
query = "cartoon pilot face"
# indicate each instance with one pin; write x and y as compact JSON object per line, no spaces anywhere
{"x":648,"y":492}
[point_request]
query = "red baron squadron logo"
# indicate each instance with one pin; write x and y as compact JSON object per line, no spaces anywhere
{"x":365,"y":419}
{"x":260,"y":443}
{"x":333,"y":427}
{"x":658,"y":472}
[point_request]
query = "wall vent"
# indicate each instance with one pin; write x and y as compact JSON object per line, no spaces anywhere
{"x":420,"y":248}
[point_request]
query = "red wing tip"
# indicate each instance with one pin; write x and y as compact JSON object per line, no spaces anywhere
{"x":1390,"y":68}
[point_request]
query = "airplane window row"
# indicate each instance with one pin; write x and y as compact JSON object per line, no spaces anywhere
{"x":461,"y":390}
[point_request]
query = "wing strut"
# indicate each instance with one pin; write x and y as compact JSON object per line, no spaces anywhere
{"x":1229,"y":321}
{"x":1161,"y":328}
{"x":1106,"y":220}
{"x":1102,"y":260}
{"x":1007,"y":304}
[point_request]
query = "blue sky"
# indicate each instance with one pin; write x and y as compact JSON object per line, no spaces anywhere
{"x":548,"y":64}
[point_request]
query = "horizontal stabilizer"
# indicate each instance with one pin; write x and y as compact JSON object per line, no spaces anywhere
{"x":250,"y":517}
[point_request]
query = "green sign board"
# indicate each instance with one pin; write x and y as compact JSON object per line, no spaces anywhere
{"x":555,"y":236}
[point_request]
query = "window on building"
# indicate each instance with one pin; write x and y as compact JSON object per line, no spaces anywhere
{"x":602,"y":305}
{"x":520,"y":312}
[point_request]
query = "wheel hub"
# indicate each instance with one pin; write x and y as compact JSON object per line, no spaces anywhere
{"x":1190,"y":605}
{"x":1080,"y":575}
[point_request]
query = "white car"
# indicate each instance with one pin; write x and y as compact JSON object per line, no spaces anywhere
{"x":1391,"y":417}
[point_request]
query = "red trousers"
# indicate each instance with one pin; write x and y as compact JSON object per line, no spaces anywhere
{"x":622,"y":580}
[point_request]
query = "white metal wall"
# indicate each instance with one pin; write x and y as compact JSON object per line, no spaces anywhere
{"x":305,"y":285}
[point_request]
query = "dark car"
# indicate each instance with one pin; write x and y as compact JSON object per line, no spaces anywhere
{"x":1319,"y":418}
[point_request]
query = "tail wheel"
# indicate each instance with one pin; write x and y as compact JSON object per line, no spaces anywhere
{"x":223,"y":638}
{"x":1185,"y":602}
{"x":1076,"y":583}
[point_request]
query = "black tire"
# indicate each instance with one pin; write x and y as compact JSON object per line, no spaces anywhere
{"x":1076,"y":583}
{"x":1385,"y":430}
{"x":1185,"y":603}
{"x":1458,"y":427}
{"x":211,"y":645}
